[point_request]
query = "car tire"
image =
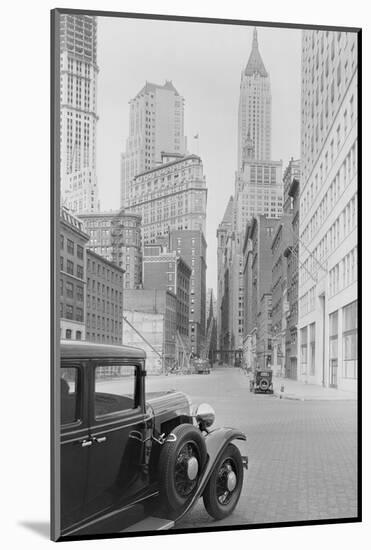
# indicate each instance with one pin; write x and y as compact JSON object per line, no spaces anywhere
{"x":220,"y":499}
{"x":181,"y":462}
{"x":264,"y":385}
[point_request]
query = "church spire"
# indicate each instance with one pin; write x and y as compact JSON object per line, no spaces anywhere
{"x":255,"y":63}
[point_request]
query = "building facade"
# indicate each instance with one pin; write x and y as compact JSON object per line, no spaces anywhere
{"x":78,"y":112}
{"x":280,"y":305}
{"x":291,"y":205}
{"x":327,"y":323}
{"x":222,"y":235}
{"x":258,"y":190}
{"x":211,"y":328}
{"x":255,"y":106}
{"x":150,"y":322}
{"x":164,"y":270}
{"x":191,"y":246}
{"x":258,"y":273}
{"x":170,"y":196}
{"x":258,"y":187}
{"x":156,"y":125}
{"x":116,"y":236}
{"x":104,"y":300}
{"x":72,"y":279}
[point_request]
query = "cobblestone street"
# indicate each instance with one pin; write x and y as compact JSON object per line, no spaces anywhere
{"x":302,"y":454}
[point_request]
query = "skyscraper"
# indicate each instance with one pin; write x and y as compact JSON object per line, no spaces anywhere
{"x":116,"y":236}
{"x":78,"y":112}
{"x":254,"y":111}
{"x":172,"y":195}
{"x":327,"y":323}
{"x":258,"y":184}
{"x":156,"y":126}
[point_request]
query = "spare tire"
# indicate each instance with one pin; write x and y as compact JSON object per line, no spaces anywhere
{"x":264,"y":384}
{"x":181,"y":461}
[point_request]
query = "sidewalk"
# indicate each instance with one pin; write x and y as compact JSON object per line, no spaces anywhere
{"x":293,"y":389}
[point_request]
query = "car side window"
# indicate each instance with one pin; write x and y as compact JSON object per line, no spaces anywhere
{"x":69,"y":400}
{"x":114,"y":389}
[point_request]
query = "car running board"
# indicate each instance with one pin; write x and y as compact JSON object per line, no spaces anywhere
{"x":151,"y":524}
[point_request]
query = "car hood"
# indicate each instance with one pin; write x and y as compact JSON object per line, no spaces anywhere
{"x":168,"y":404}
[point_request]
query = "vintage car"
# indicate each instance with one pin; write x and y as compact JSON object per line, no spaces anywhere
{"x":261,"y":382}
{"x":201,"y":366}
{"x":135,"y":461}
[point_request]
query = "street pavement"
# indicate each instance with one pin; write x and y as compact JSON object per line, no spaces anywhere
{"x":302,"y":451}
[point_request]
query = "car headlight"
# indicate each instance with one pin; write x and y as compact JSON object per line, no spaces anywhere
{"x":205,"y":415}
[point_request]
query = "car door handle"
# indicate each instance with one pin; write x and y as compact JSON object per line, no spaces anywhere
{"x":100,"y":439}
{"x":86,"y":443}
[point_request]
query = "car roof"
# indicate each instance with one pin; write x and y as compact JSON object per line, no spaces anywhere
{"x":71,"y":349}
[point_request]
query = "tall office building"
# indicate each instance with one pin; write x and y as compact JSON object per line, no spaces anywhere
{"x":327,"y":323}
{"x":170,"y":196}
{"x":258,"y":182}
{"x":156,"y":126}
{"x":116,"y":235}
{"x":258,"y":275}
{"x":254,"y":111}
{"x":223,"y":236}
{"x":164,"y":270}
{"x":191,"y":246}
{"x":258,"y":187}
{"x":78,"y":112}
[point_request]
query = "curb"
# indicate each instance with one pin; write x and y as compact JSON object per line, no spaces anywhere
{"x":289,"y":397}
{"x":309,"y":398}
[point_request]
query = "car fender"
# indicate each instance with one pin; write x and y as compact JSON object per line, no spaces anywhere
{"x":216,"y":441}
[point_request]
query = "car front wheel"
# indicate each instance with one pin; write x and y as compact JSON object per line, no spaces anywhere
{"x":225,"y":484}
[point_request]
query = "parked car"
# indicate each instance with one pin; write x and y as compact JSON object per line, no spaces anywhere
{"x":131,"y":460}
{"x":202,"y":366}
{"x":261,"y":381}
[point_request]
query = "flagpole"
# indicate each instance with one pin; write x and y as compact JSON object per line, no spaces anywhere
{"x":196,"y":139}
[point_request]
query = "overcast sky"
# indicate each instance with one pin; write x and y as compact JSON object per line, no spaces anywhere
{"x":204,"y":61}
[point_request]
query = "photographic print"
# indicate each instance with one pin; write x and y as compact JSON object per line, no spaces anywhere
{"x":205,"y":289}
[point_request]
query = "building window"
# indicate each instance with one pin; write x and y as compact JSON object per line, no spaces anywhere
{"x":350,"y":341}
{"x":70,"y":267}
{"x":61,"y":263}
{"x":68,"y":334}
{"x":312,"y":342}
{"x":80,"y":271}
{"x":79,"y":314}
{"x":79,"y":252}
{"x":70,"y":246}
{"x":79,"y":293}
{"x":303,"y":350}
{"x":69,"y":311}
{"x":333,"y":340}
{"x":62,"y":242}
{"x":69,"y":289}
{"x":78,"y":335}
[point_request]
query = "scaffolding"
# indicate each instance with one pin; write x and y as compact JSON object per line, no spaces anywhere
{"x":183,"y":361}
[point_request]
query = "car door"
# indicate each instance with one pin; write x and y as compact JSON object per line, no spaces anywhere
{"x":118,"y":428}
{"x":74,"y":444}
